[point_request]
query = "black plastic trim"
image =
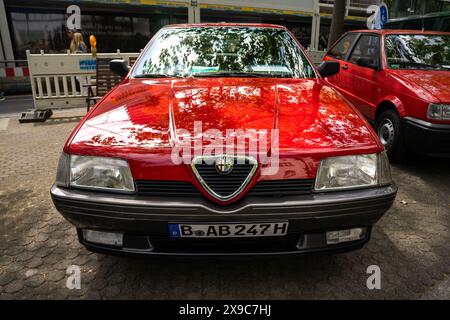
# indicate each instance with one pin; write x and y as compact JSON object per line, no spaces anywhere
{"x":427,"y":138}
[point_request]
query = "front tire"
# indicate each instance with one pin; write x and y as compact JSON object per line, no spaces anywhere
{"x":390,"y":131}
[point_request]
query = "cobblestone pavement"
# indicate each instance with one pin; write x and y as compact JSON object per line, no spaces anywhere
{"x":410,"y":243}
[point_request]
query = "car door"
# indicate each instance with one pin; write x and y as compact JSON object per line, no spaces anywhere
{"x":339,"y":52}
{"x":362,"y":70}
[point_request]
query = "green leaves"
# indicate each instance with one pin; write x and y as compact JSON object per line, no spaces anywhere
{"x":225,"y":50}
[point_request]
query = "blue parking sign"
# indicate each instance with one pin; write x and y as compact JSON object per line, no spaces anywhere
{"x":383,"y":15}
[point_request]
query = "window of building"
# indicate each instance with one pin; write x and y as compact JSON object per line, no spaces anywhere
{"x":37,"y":31}
{"x":413,"y":25}
{"x":45,"y":28}
{"x":300,"y":27}
{"x":445,"y":25}
{"x":430,"y":24}
{"x":405,"y":8}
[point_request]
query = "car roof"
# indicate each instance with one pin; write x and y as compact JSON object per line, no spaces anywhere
{"x":399,"y":31}
{"x":226,"y":24}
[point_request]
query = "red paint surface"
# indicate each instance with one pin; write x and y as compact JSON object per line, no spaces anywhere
{"x":140,"y":120}
{"x":410,"y":91}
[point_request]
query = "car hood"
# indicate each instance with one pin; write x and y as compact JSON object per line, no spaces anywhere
{"x":146,"y":115}
{"x":437,"y":83}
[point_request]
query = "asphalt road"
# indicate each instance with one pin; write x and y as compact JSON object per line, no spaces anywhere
{"x":14,"y":105}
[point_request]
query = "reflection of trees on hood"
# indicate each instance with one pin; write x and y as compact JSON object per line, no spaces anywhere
{"x":177,"y":50}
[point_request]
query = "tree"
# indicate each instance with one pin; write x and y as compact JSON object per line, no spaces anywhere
{"x":337,"y":24}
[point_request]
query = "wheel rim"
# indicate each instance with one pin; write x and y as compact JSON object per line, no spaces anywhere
{"x":386,"y":133}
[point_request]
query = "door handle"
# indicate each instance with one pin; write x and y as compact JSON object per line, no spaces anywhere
{"x":344,"y":66}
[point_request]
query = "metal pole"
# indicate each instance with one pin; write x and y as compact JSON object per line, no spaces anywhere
{"x":194,"y":11}
{"x":316,"y":39}
{"x":2,"y":55}
{"x":197,"y":12}
{"x":191,"y":13}
{"x":315,"y":26}
{"x":5,"y":35}
{"x":33,"y":83}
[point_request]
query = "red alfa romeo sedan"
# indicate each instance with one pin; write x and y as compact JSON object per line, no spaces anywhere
{"x":400,"y":80}
{"x":223,"y":139}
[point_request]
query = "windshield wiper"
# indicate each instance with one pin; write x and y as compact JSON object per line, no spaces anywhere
{"x":156,"y":75}
{"x":241,"y":74}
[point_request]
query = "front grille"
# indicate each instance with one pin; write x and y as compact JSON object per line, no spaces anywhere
{"x":224,"y":185}
{"x":276,"y":188}
{"x":165,"y":188}
{"x":282,"y":187}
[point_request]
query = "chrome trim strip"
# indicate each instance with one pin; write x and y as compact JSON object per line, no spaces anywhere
{"x":238,"y":159}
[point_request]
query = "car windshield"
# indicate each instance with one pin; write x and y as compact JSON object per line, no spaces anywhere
{"x":223,"y":52}
{"x":414,"y":51}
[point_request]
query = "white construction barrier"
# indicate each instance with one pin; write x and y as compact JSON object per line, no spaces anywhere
{"x":316,"y":56}
{"x":54,"y":77}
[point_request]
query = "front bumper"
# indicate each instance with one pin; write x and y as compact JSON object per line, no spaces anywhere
{"x":427,"y":138}
{"x":144,"y":221}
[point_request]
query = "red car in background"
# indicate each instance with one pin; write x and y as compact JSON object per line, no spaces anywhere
{"x":399,"y":80}
{"x":137,"y":175}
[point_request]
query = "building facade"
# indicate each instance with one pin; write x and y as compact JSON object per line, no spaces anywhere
{"x":419,"y":15}
{"x":408,"y":8}
{"x":127,"y":25}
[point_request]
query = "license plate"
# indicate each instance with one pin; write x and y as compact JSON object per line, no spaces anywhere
{"x":178,"y":230}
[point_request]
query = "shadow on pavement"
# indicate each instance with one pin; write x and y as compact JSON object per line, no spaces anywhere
{"x":409,"y":244}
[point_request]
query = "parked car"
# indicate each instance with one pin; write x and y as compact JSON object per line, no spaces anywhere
{"x":136,"y":176}
{"x":399,"y":80}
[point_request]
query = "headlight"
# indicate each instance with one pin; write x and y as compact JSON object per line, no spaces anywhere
{"x":352,"y":172}
{"x":94,"y":173}
{"x":438,"y":112}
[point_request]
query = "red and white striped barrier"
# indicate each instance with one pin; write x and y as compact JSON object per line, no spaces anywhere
{"x":14,"y":72}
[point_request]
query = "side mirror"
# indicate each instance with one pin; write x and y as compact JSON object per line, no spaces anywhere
{"x":328,"y":68}
{"x":119,"y":67}
{"x":367,"y":63}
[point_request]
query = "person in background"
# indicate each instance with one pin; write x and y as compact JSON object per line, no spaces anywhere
{"x":77,"y":45}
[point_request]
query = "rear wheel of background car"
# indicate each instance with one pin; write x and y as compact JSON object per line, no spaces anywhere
{"x":390,"y":131}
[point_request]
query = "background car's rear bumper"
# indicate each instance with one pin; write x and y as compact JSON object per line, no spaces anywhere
{"x":427,"y":138}
{"x":145,"y":220}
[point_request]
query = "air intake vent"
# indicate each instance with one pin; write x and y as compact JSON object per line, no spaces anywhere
{"x":224,"y":177}
{"x":276,"y":188}
{"x":266,"y":188}
{"x":166,"y":188}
